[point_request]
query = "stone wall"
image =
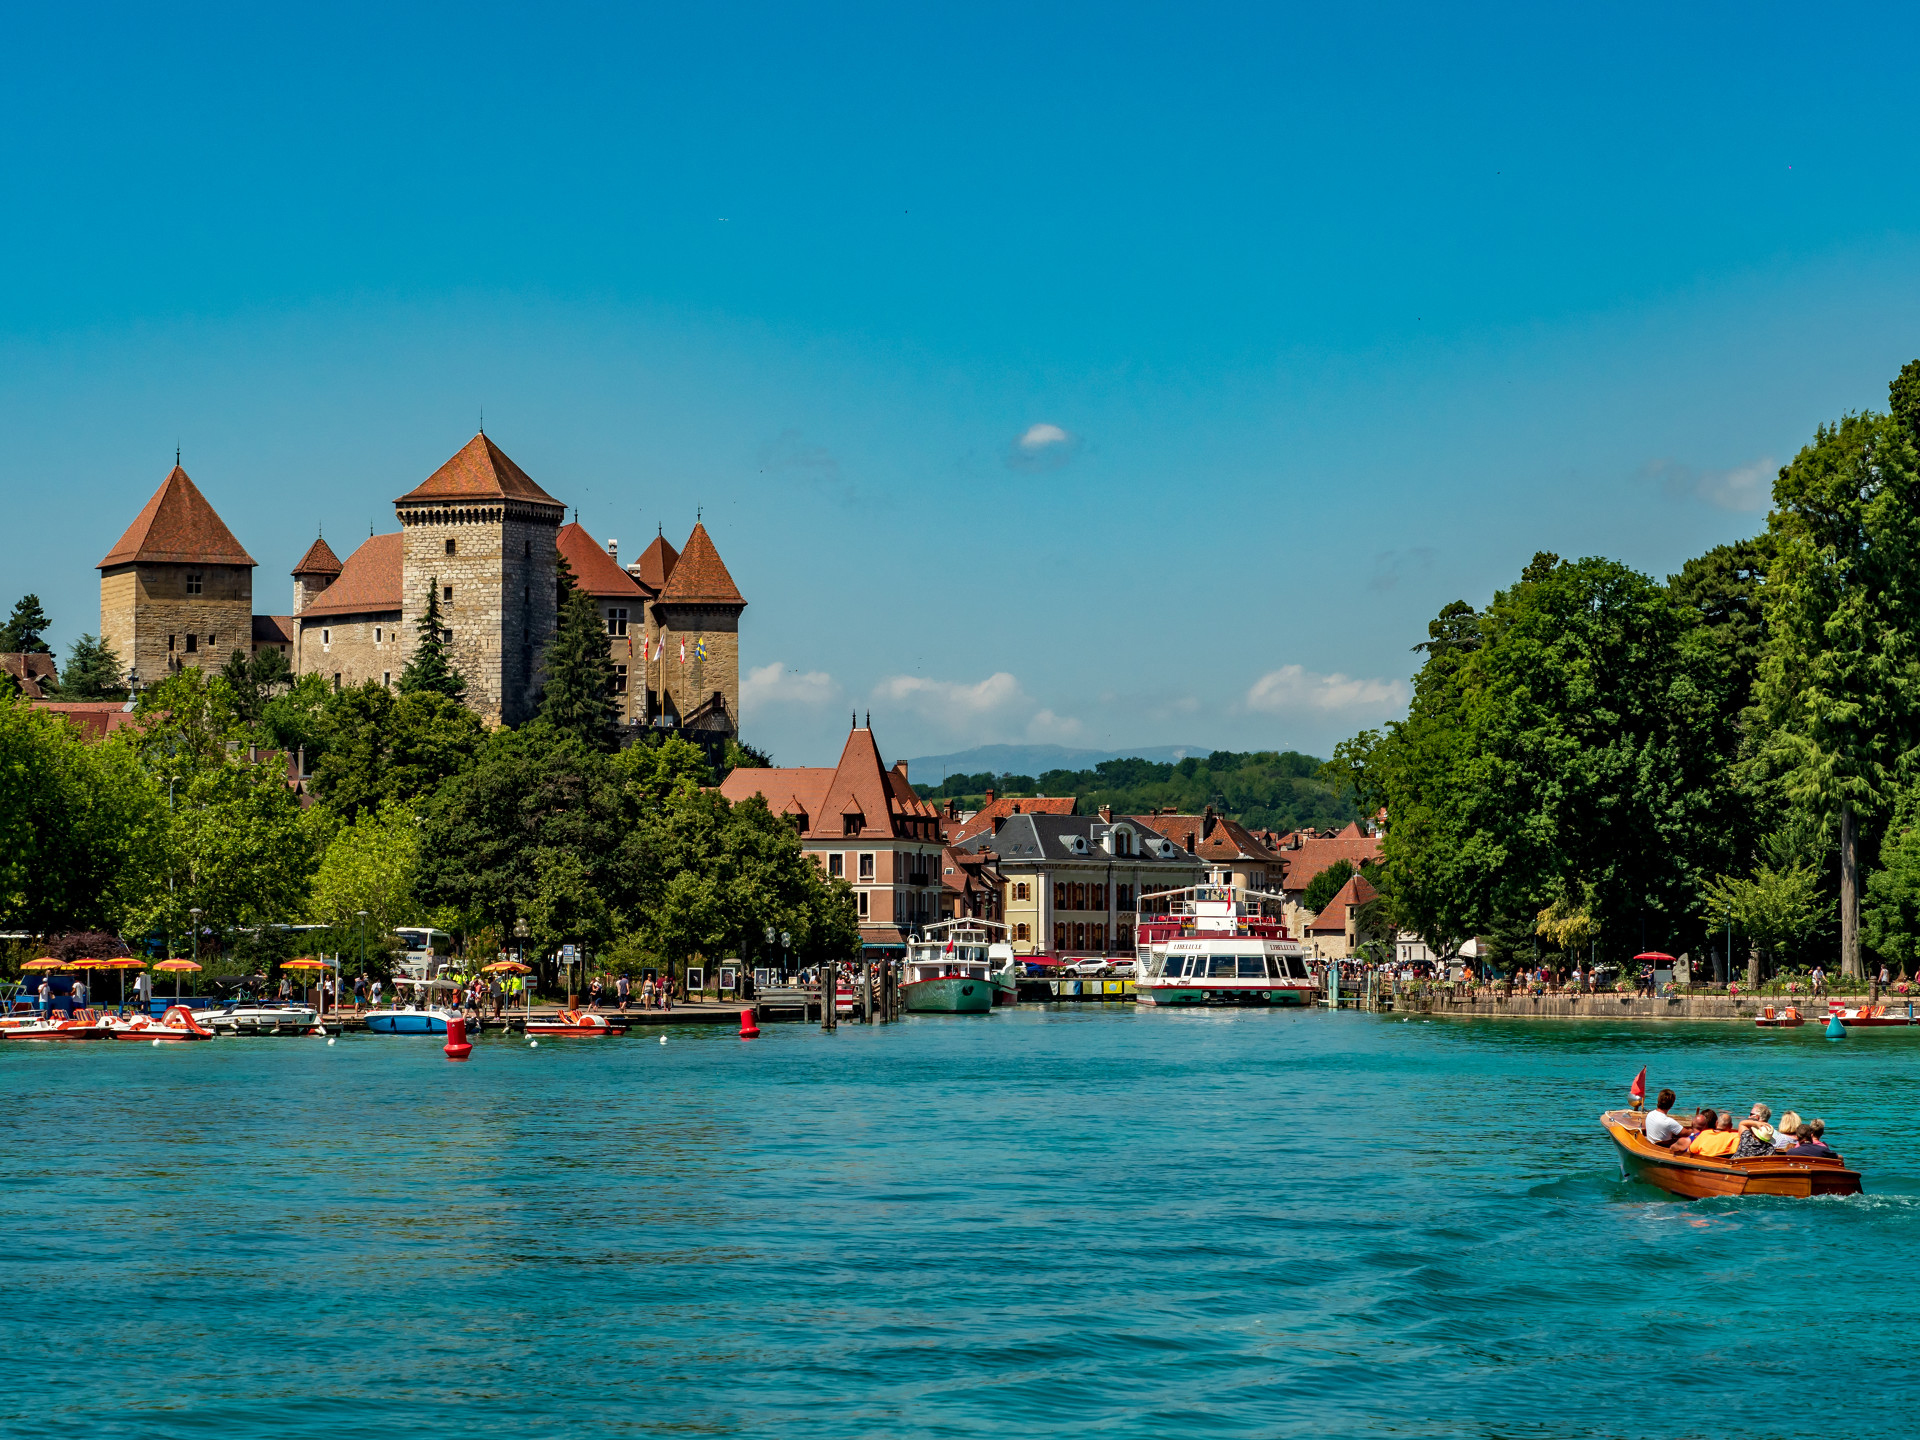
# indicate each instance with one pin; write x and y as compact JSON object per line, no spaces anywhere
{"x":684,"y":685}
{"x":348,"y":650}
{"x":145,"y":606}
{"x":502,"y":611}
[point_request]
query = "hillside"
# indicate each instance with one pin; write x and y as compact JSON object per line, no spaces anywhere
{"x":1262,"y":788}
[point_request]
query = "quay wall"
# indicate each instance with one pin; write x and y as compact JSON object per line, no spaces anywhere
{"x":1492,"y":1005}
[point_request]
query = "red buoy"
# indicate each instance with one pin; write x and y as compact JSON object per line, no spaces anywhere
{"x":457,"y":1047}
{"x":748,"y":1030}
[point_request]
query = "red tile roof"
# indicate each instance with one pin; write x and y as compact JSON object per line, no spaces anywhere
{"x":319,"y":560}
{"x":273,"y":629}
{"x":369,"y":582}
{"x":699,"y":575}
{"x":96,"y":719}
{"x":882,"y":800}
{"x":655,"y":564}
{"x":1211,"y":837}
{"x":1005,"y":805}
{"x":480,"y":470}
{"x":33,"y":671}
{"x":594,"y":571}
{"x":178,"y":527}
{"x":1313,"y":856}
{"x":1357,"y":891}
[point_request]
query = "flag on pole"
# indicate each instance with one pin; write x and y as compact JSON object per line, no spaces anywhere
{"x":1639,"y":1090}
{"x":700,"y":648}
{"x":659,"y":647}
{"x":683,"y":652}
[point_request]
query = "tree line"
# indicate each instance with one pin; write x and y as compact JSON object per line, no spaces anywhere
{"x":548,"y":833}
{"x":1600,"y":763}
{"x":1281,"y":790}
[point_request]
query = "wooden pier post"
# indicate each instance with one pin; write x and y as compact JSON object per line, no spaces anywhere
{"x":866,"y":994}
{"x":829,"y":995}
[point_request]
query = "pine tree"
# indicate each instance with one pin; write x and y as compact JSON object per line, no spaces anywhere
{"x":21,"y":634}
{"x":429,"y":669}
{"x":92,"y":672}
{"x":579,"y":673}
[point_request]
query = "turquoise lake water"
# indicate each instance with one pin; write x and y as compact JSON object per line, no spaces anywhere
{"x":1038,"y":1222}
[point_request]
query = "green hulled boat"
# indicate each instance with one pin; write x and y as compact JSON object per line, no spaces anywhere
{"x":948,"y":970}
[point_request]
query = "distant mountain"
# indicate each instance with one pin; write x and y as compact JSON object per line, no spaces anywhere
{"x":1036,"y":759}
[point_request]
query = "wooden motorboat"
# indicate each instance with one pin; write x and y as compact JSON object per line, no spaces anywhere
{"x":1695,"y":1177}
{"x":1786,"y":1018}
{"x":580,"y":1024}
{"x":80,"y":1025}
{"x":176,"y":1024}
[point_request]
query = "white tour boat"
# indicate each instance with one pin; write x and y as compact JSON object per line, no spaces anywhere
{"x":1218,"y":945}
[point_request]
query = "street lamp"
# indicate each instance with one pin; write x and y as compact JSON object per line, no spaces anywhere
{"x":786,"y":938}
{"x":363,"y":940}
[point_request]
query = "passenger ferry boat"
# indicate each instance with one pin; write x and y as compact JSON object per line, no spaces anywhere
{"x":950,"y":970}
{"x":1219,"y":945}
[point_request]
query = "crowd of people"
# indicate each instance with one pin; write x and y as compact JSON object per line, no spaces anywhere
{"x":1716,"y":1135}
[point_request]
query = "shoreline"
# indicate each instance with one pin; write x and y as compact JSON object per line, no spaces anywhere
{"x":1632,"y":1007}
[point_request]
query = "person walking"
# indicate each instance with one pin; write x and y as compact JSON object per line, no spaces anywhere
{"x":79,"y":994}
{"x":143,"y":992}
{"x":623,"y":989}
{"x":593,"y":994}
{"x":45,"y":996}
{"x":646,"y":993}
{"x":374,"y":995}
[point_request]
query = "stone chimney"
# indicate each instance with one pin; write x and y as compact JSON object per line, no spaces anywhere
{"x":989,"y":794}
{"x":1206,"y":822}
{"x":1106,"y":813}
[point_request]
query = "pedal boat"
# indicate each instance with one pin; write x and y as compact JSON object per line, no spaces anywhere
{"x":1784,"y":1019}
{"x":580,"y":1024}
{"x":177,"y":1024}
{"x":1695,"y":1177}
{"x":82,"y":1024}
{"x":1871,"y":1015}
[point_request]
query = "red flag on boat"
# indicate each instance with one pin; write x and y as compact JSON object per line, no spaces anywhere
{"x":1639,"y":1090}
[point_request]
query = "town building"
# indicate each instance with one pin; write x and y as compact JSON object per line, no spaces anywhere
{"x":1334,"y":933}
{"x":1307,"y":855}
{"x":861,"y":823}
{"x":693,"y":669}
{"x":346,"y":618}
{"x":971,"y":884}
{"x":1233,"y":854}
{"x":176,"y":589}
{"x":960,"y":828}
{"x":34,"y":672}
{"x":1072,"y":883}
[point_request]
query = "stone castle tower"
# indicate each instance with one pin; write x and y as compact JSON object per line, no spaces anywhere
{"x":695,"y":625}
{"x":177,"y":589}
{"x":480,"y":531}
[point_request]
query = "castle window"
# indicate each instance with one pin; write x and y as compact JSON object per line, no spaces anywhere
{"x":376,"y":634}
{"x":212,"y":640}
{"x":616,"y":621}
{"x":336,"y":679}
{"x":619,"y":679}
{"x":326,"y":638}
{"x":193,"y":643}
{"x":450,"y":545}
{"x":169,"y":642}
{"x":446,"y":593}
{"x":386,"y":678}
{"x":193,"y":584}
{"x":447,"y":636}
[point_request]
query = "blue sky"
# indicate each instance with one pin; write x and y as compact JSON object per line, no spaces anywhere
{"x":1310,"y":323}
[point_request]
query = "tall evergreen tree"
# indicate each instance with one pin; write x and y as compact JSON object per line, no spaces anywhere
{"x":92,"y":672}
{"x":429,"y":669}
{"x":255,"y":679}
{"x":21,"y":634}
{"x":579,"y":673}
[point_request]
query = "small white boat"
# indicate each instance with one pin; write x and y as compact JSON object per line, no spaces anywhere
{"x":411,"y":1020}
{"x":582,"y":1024}
{"x":1219,"y":945}
{"x":177,"y":1024}
{"x":263,"y":1018}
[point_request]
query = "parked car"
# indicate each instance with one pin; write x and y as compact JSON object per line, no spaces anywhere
{"x":1089,"y":967}
{"x":1124,"y":970}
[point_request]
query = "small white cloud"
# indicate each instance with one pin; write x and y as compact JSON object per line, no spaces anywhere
{"x":1042,"y":447}
{"x":775,"y":684}
{"x":983,"y":711}
{"x":1745,"y":488}
{"x":1293,"y":689}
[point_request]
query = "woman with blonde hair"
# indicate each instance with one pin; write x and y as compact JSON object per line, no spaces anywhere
{"x":1783,"y":1138}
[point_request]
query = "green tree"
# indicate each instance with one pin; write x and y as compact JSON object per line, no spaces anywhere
{"x":1770,"y":908}
{"x":1839,"y":686}
{"x":255,"y":679}
{"x":92,"y":672}
{"x":380,"y":748}
{"x":371,"y":865}
{"x":21,"y":634}
{"x":1323,"y":887}
{"x":1724,"y":587}
{"x":429,"y":670}
{"x":296,"y":719}
{"x":578,"y":696}
{"x":1574,"y":747}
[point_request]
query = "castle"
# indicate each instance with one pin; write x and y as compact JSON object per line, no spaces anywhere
{"x":484,"y":539}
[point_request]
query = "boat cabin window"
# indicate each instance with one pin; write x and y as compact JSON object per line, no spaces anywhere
{"x":1222,"y":967}
{"x":1252,"y":967}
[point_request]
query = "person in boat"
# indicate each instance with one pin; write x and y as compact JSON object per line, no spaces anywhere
{"x":1810,"y":1143}
{"x":1717,"y":1143}
{"x":1756,"y":1133}
{"x":1783,"y":1133}
{"x":1660,"y":1127}
{"x":1701,"y":1124}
